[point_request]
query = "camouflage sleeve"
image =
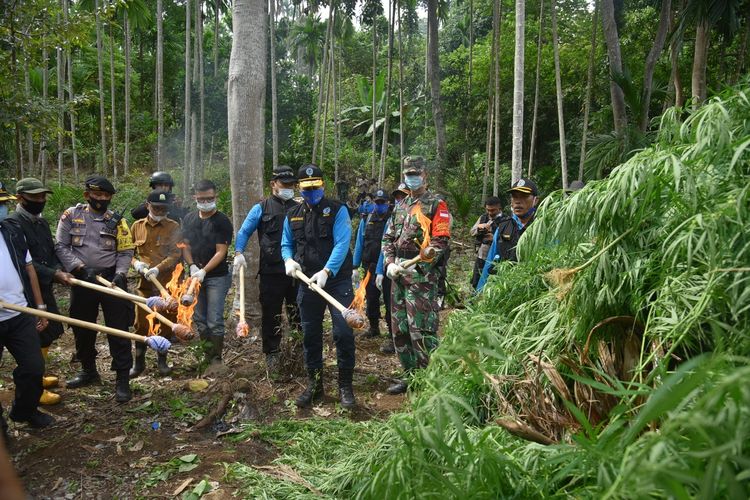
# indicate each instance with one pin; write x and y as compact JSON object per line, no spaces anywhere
{"x":125,"y":247}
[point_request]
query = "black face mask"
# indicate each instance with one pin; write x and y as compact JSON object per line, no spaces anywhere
{"x":33,"y":207}
{"x":99,"y":205}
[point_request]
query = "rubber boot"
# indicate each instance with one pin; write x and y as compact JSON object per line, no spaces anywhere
{"x":122,"y":387}
{"x":346,"y":393}
{"x":314,"y":390}
{"x":87,"y":376}
{"x":48,"y":381}
{"x":162,"y":366}
{"x":388,"y":347}
{"x":213,"y":356}
{"x":374,"y":330}
{"x":139,"y":363}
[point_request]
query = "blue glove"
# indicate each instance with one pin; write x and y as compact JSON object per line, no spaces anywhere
{"x":158,"y":344}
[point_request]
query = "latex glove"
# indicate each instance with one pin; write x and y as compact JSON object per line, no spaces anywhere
{"x":153,"y":271}
{"x":197,"y":273}
{"x":120,"y":281}
{"x":355,"y":277}
{"x":239,"y":260}
{"x":140,"y":266}
{"x":394,"y":270}
{"x":291,"y":266}
{"x":320,"y":278}
{"x":379,"y":282}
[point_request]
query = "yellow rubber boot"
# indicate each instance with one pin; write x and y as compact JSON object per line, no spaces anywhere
{"x":49,"y":398}
{"x":48,"y":381}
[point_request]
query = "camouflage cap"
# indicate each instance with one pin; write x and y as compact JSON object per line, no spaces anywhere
{"x":414,"y":165}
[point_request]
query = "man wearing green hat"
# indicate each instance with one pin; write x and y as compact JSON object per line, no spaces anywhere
{"x":31,"y":195}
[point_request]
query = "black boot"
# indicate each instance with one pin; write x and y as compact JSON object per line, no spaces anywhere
{"x":374,"y":330}
{"x":139,"y":363}
{"x":122,"y":387}
{"x":398,"y":388}
{"x":346,"y":393}
{"x":161,"y":365}
{"x":314,"y":389}
{"x":388,"y":347}
{"x":87,"y":376}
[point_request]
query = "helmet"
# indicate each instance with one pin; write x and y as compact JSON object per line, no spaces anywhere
{"x":160,"y":178}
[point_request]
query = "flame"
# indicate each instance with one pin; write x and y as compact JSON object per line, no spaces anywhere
{"x":153,"y":326}
{"x":359,"y":295}
{"x":173,"y":283}
{"x":425,"y":223}
{"x":185,"y":313}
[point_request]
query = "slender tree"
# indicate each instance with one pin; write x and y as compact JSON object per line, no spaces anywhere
{"x":217,"y":10}
{"x":374,"y":112}
{"x":113,"y":113}
{"x":246,"y":119}
{"x":402,"y":131}
{"x":100,"y":68}
{"x":60,"y":113}
{"x":68,"y":60}
{"x":387,"y":109}
{"x":535,"y":113}
{"x":126,"y":153}
{"x":675,"y":48}
{"x":274,"y":103}
{"x":612,"y":38}
{"x":43,"y":139}
{"x":518,"y":67}
{"x":201,"y":90}
{"x":651,"y":59}
{"x":187,"y":168}
{"x":558,"y":86}
{"x":434,"y":73}
{"x":322,"y":88}
{"x":498,"y":22}
{"x":29,"y":132}
{"x":159,"y":85}
{"x":700,"y":61}
{"x":589,"y":87}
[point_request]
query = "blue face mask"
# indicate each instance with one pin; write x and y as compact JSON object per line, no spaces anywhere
{"x":381,"y":208}
{"x":3,"y":211}
{"x":312,"y":196}
{"x":413,"y":181}
{"x":366,"y":207}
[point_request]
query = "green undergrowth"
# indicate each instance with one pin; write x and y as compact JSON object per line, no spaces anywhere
{"x":664,"y":242}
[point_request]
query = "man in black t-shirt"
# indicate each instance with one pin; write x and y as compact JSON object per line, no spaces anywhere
{"x":207,"y":234}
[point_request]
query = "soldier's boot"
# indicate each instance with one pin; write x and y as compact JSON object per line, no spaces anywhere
{"x":314,"y":390}
{"x":374,"y":330}
{"x":139,"y":363}
{"x":346,"y":392}
{"x":87,"y":376}
{"x":48,"y":381}
{"x":161,"y":364}
{"x":122,"y":387}
{"x":388,"y":347}
{"x":400,"y":386}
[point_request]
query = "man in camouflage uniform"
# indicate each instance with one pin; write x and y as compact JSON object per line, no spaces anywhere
{"x":414,"y":290}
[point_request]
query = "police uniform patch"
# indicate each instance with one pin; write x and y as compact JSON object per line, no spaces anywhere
{"x":327,"y":211}
{"x":521,"y":183}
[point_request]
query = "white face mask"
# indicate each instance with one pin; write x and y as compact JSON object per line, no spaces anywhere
{"x":285,"y":194}
{"x":206,"y":207}
{"x":157,"y":218}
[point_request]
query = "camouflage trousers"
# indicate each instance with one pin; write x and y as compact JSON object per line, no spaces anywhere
{"x":414,"y":319}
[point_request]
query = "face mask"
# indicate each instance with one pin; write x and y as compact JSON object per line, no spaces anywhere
{"x":381,"y":208}
{"x":366,"y":208}
{"x":99,"y":205}
{"x":157,"y":218}
{"x":285,"y":194}
{"x":313,"y":196}
{"x":413,"y":181}
{"x":3,"y":211}
{"x":527,"y":214}
{"x":206,"y":207}
{"x":33,"y":207}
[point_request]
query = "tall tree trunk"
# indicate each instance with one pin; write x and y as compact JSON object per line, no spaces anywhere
{"x":43,"y":142}
{"x":14,"y":71}
{"x":387,"y":110}
{"x":402,"y":132}
{"x":437,"y":107}
{"x":126,"y":155}
{"x":651,"y":59}
{"x":612,"y":38}
{"x":558,"y":86}
{"x":467,"y":170}
{"x":194,"y":85}
{"x":29,"y":132}
{"x":217,"y":4}
{"x":498,"y":19}
{"x":201,"y":92}
{"x":700,"y":60}
{"x":71,"y":97}
{"x":60,"y":113}
{"x":742,"y":54}
{"x":274,"y":103}
{"x":112,"y":100}
{"x":336,"y":117}
{"x":100,"y":69}
{"x":518,"y":66}
{"x":321,"y":83}
{"x":589,"y":87}
{"x":535,"y":113}
{"x":488,"y":149}
{"x":187,"y":168}
{"x":324,"y":118}
{"x":246,"y":119}
{"x":160,"y":85}
{"x":373,"y":139}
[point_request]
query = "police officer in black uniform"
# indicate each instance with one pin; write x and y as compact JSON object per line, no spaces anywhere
{"x":267,"y":217}
{"x":161,"y":181}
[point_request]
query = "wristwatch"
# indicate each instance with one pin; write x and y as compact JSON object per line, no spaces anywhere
{"x":42,"y":307}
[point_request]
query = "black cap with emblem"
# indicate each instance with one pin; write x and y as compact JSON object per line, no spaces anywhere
{"x":283,"y":173}
{"x":379,"y":194}
{"x":525,"y":186}
{"x":310,"y":176}
{"x":99,"y":183}
{"x":160,"y":198}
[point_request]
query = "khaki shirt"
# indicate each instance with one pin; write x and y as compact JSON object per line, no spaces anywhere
{"x":83,"y":240}
{"x":156,"y":245}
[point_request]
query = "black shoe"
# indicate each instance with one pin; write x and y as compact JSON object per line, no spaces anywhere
{"x":388,"y":347}
{"x":346,"y":393}
{"x":37,"y":420}
{"x":139,"y":364}
{"x":122,"y":387}
{"x":313,"y":391}
{"x":161,"y":365}
{"x":373,"y":331}
{"x":398,"y":388}
{"x":87,"y":376}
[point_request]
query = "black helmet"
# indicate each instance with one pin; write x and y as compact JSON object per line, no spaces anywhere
{"x":160,"y":178}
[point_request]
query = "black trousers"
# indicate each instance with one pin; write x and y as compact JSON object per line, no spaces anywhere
{"x":275,"y":289}
{"x":18,"y":334}
{"x":118,"y":313}
{"x":54,"y":328}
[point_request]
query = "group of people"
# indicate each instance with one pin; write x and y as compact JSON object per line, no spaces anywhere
{"x":310,"y":235}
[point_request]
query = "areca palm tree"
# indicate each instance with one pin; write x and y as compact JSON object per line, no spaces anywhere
{"x":308,"y":36}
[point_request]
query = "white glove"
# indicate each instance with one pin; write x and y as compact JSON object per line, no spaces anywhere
{"x":153,"y":271}
{"x":394,"y":270}
{"x":379,"y":282}
{"x":197,"y":273}
{"x":320,"y":278}
{"x":140,"y":266}
{"x":291,"y":266}
{"x":355,"y":277}
{"x":239,"y":260}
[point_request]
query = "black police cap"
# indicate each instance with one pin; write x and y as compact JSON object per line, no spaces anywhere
{"x":99,"y":183}
{"x":310,"y":176}
{"x":525,"y":186}
{"x":380,"y":194}
{"x":159,"y":197}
